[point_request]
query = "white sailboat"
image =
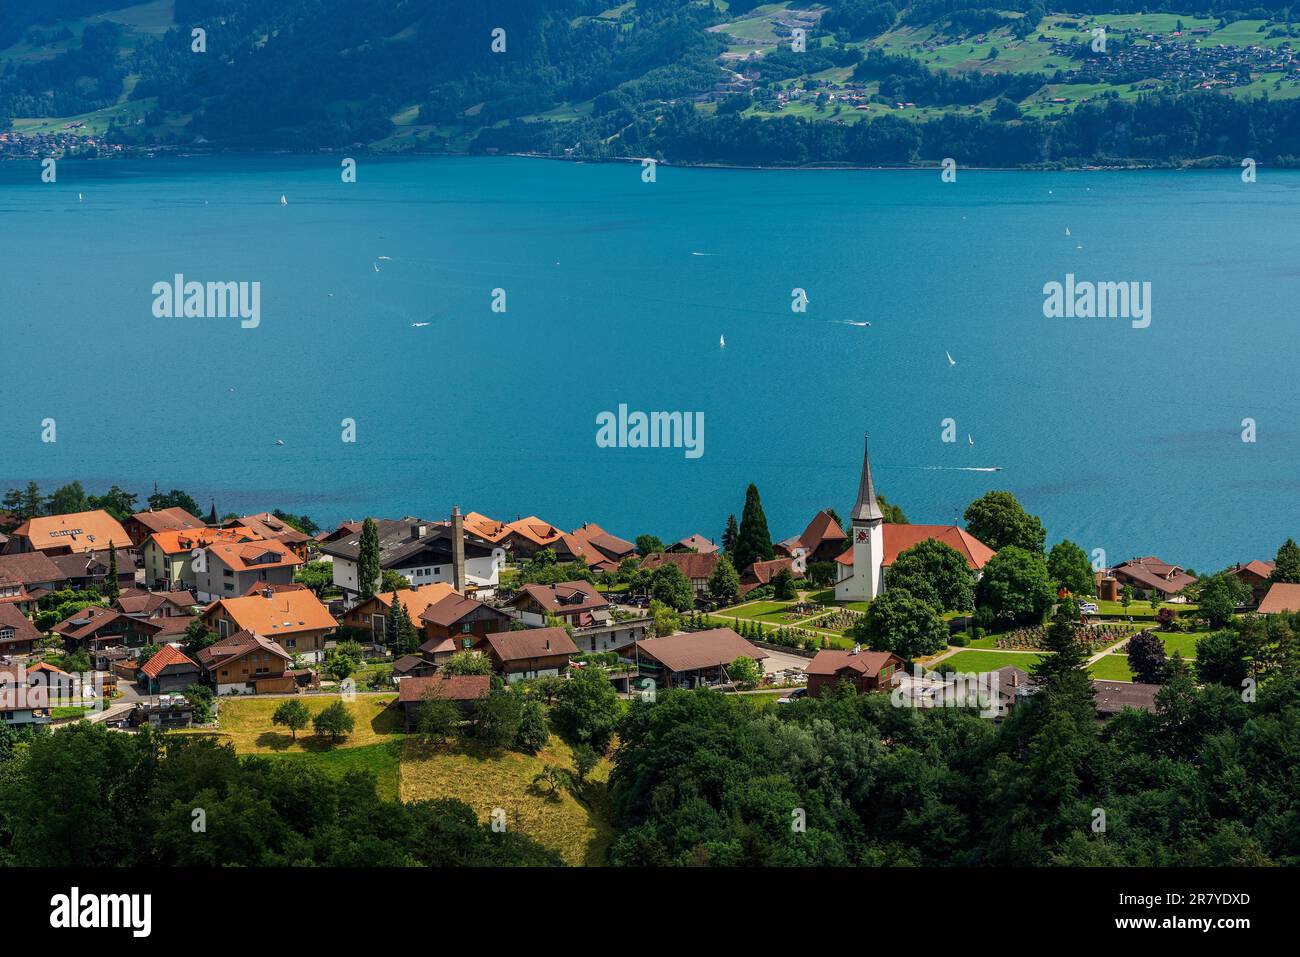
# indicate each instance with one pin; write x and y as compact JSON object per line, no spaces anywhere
{"x":951,"y":360}
{"x":284,"y":200}
{"x":969,"y":440}
{"x":79,"y":199}
{"x":1067,"y":230}
{"x":722,"y":342}
{"x":376,"y":265}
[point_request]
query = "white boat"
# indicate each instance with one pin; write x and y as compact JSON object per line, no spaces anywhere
{"x":951,"y":360}
{"x":279,"y":441}
{"x":284,"y":200}
{"x":722,"y":342}
{"x":79,"y":199}
{"x":376,"y":265}
{"x":1067,"y":230}
{"x":969,"y":440}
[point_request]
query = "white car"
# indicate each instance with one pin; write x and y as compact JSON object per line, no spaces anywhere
{"x":1088,"y":608}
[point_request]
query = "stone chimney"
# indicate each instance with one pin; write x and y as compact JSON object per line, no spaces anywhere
{"x":457,"y":550}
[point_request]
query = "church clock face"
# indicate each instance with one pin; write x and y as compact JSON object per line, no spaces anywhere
{"x":862,"y":535}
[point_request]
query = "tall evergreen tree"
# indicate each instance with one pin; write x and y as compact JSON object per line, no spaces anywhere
{"x":754,"y":542}
{"x":1286,"y":568}
{"x":730,"y":535}
{"x":368,"y":570}
{"x":1062,"y":673}
{"x":111,"y":588}
{"x":403,"y":639}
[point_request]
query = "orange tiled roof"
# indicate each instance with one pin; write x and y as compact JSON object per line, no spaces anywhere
{"x":167,"y":655}
{"x":80,"y":531}
{"x":899,"y":538}
{"x":283,"y":613}
{"x":177,"y":541}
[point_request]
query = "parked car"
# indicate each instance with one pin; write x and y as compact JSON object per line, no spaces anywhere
{"x":1088,"y":608}
{"x":794,"y":695}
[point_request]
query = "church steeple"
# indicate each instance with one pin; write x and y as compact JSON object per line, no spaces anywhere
{"x":866,"y":509}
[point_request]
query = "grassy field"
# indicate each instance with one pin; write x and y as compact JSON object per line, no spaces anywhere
{"x":246,"y":723}
{"x":1186,"y":644}
{"x":1111,"y":668}
{"x":489,"y":780}
{"x":977,"y":662}
{"x":409,"y":770}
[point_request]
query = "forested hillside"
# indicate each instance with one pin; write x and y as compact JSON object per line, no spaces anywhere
{"x":1021,"y":82}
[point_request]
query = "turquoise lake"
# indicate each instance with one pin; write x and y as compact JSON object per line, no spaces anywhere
{"x":618,"y":292}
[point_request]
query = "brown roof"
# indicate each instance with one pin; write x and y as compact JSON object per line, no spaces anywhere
{"x":696,"y":543}
{"x":1257,"y":568}
{"x":702,"y":649}
{"x":1281,"y":597}
{"x":448,"y":610}
{"x":823,"y":527}
{"x":137,"y":601}
{"x":1111,"y":697}
{"x":236,"y":646}
{"x":1152,"y":573}
{"x":565,"y":596}
{"x":167,"y":655}
{"x":275,"y":587}
{"x":161,"y":519}
{"x":24,"y":630}
{"x":28,"y":567}
{"x":611,"y":546}
{"x":268,"y":526}
{"x":533,"y":643}
{"x":451,"y":687}
{"x":832,"y":661}
{"x":693,"y":564}
{"x":79,"y":531}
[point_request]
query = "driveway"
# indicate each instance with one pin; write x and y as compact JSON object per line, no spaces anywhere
{"x":781,"y":661}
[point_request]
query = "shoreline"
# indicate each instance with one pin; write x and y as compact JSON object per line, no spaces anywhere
{"x":1205,"y":163}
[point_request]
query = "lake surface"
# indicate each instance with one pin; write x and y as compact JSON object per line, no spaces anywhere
{"x":617,"y":292}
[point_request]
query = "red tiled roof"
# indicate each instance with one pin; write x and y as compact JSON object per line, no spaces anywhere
{"x":449,"y":610}
{"x":565,"y":596}
{"x":694,"y":565}
{"x":1281,"y":597}
{"x":451,"y":687}
{"x":697,"y":543}
{"x":899,"y":538}
{"x":832,"y":661}
{"x":167,"y":655}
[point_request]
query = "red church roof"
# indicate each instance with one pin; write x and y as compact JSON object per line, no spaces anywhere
{"x":899,"y":538}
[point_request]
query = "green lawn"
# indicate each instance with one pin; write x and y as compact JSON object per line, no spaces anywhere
{"x":1176,"y":641}
{"x":978,"y":662}
{"x":1111,"y":668}
{"x":383,"y":760}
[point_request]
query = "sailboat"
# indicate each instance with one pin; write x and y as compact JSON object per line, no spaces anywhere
{"x":284,"y":200}
{"x":969,"y":440}
{"x":376,"y":265}
{"x":951,"y":360}
{"x":1067,"y":230}
{"x":722,"y":342}
{"x":79,"y":199}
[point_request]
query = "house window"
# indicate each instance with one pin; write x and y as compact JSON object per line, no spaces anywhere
{"x":465,"y":628}
{"x":290,"y":643}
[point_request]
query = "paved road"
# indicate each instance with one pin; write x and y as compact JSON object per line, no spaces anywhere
{"x":780,"y":661}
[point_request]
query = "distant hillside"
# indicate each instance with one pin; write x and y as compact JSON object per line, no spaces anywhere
{"x":685,"y":80}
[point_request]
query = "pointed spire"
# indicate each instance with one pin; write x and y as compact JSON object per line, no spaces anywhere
{"x":866,"y":509}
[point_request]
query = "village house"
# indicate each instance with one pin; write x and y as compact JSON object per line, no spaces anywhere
{"x":95,"y":627}
{"x":247,"y":663}
{"x":295,"y":620}
{"x":21,"y":701}
{"x":143,"y":524}
{"x":87,"y":571}
{"x":692,"y":543}
{"x":169,"y":670}
{"x":267,"y":527}
{"x":24,"y":578}
{"x":371,"y":615}
{"x":422,"y":552}
{"x":63,"y":534}
{"x":462,"y":620}
{"x":1256,"y":576}
{"x":464,"y":690}
{"x":697,"y":567}
{"x":599,"y":550}
{"x":822,"y":541}
{"x":233,"y":568}
{"x":758,"y":574}
{"x":576,"y":602}
{"x":159,"y":604}
{"x":1149,"y":576}
{"x":413,"y":666}
{"x":18,"y":635}
{"x":533,"y":653}
{"x":1281,"y":597}
{"x":487,"y":529}
{"x":337,"y":535}
{"x":169,"y":557}
{"x":1112,"y":697}
{"x":690,"y":660}
{"x":528,"y":536}
{"x":863,"y":670}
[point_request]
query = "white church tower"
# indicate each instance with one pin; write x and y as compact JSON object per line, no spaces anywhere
{"x":868,"y":533}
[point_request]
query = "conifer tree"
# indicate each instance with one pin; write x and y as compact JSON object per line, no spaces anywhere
{"x":754,"y":542}
{"x":368,"y":569}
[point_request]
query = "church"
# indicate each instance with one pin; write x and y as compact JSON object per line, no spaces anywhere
{"x":875,"y":543}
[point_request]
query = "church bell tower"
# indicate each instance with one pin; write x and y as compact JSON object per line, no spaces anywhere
{"x":868,"y":533}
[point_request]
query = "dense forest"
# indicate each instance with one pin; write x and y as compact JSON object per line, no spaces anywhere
{"x":312,"y":74}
